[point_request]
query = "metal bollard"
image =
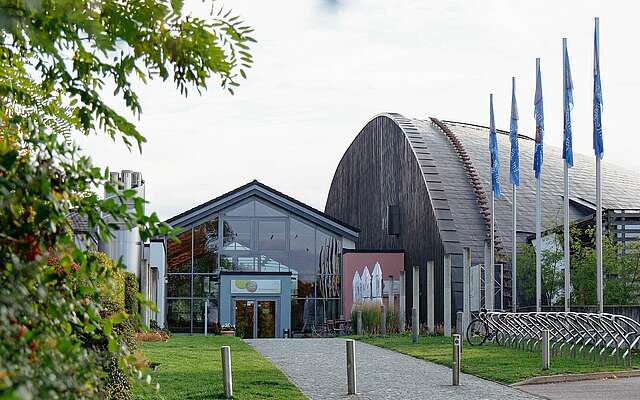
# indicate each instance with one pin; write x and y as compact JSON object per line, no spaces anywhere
{"x":455,"y":370}
{"x":460,"y":328}
{"x":383,"y":321}
{"x":544,"y":348}
{"x":351,"y":366}
{"x":414,"y":325}
{"x":359,"y":323}
{"x":226,"y":371}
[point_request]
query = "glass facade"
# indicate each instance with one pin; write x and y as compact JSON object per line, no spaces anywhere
{"x":253,"y":236}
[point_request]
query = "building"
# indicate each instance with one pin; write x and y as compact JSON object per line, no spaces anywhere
{"x":424,"y":186}
{"x":258,"y":259}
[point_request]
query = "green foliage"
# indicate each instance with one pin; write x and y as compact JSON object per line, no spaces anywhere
{"x":131,"y":303}
{"x":621,"y":268}
{"x":371,"y":318}
{"x":59,"y":336}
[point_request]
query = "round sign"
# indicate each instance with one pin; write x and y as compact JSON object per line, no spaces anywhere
{"x":252,"y":286}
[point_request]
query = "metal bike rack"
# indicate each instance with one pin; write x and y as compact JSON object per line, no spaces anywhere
{"x":597,"y":336}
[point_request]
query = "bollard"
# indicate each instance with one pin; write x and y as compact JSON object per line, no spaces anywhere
{"x":206,"y":317}
{"x":226,"y":371}
{"x":544,"y":348}
{"x":457,"y":344}
{"x":402,"y":302}
{"x":414,"y":325}
{"x":359,"y":323}
{"x":460,"y":327}
{"x":351,"y":366}
{"x":383,"y":321}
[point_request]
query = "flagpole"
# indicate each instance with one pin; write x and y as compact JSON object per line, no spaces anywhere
{"x":599,"y":235}
{"x":598,"y":150}
{"x":538,"y":229}
{"x":514,"y":298}
{"x":491,"y":267}
{"x":567,"y":258}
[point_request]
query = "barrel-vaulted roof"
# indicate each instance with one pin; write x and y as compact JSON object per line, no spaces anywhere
{"x":461,"y":158}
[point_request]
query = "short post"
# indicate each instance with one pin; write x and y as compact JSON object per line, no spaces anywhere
{"x":206,"y":316}
{"x":546,"y":356}
{"x":403,"y":304}
{"x":359,"y":323}
{"x":457,"y":347}
{"x":392,"y":295}
{"x":431,"y":324}
{"x":383,"y":321}
{"x":460,"y":327}
{"x":466,"y":284}
{"x":226,"y":371}
{"x":351,"y":366}
{"x":416,"y":289}
{"x":414,"y":325}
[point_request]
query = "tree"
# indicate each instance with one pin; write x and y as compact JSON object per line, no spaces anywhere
{"x":57,"y":57}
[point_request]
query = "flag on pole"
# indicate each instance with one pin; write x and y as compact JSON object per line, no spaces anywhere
{"x":539,"y":116}
{"x":598,"y":146}
{"x":493,"y":149}
{"x":567,"y":148}
{"x":514,"y":162}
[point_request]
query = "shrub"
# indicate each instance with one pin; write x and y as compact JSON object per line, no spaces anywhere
{"x":131,"y":303}
{"x":371,"y":318}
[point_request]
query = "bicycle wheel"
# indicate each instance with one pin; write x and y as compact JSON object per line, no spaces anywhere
{"x":477,"y":332}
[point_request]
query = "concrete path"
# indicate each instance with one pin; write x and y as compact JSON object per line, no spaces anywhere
{"x":604,"y":389}
{"x":318,"y":368}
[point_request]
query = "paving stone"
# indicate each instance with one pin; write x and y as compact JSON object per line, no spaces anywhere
{"x":318,"y":368}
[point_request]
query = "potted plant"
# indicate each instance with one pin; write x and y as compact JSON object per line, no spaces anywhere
{"x":227,"y":330}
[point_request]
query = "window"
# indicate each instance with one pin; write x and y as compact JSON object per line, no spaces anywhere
{"x":179,"y":315}
{"x":264,"y":210}
{"x":179,"y":253}
{"x":302,"y":242}
{"x":237,"y":234}
{"x":271,"y":235}
{"x":179,"y":285}
{"x":205,"y":247}
{"x":205,"y":286}
{"x":243,"y":210}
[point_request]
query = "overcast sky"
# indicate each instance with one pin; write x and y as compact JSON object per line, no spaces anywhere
{"x":324,"y":68}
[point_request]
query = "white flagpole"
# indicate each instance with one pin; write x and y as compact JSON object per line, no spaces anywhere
{"x":538,"y":249}
{"x":599,"y":283}
{"x":514,"y":298}
{"x":567,"y":258}
{"x":491,"y":270}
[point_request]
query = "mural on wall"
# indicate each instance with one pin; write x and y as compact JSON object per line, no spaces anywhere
{"x":370,"y":275}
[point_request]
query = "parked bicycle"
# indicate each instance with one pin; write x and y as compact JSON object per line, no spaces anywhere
{"x":481,"y":330}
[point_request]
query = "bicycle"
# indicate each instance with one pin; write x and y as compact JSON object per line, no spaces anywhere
{"x":480,"y":330}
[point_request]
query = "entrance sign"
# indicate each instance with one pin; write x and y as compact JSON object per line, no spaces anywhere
{"x":257,"y":286}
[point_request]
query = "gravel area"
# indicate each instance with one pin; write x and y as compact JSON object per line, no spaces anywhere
{"x":603,"y":389}
{"x":318,"y":368}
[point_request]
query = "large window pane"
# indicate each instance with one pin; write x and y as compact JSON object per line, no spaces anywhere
{"x":302,"y":242}
{"x":329,"y":253}
{"x":239,"y":261}
{"x":328,"y":286}
{"x":265,"y":210}
{"x":237,"y":234}
{"x":179,"y":315}
{"x":271,"y":235}
{"x":198,"y":315}
{"x":303,"y":285}
{"x":205,"y":247}
{"x":179,"y":285}
{"x":205,"y":286}
{"x":242,"y":210}
{"x":179,"y":253}
{"x":273,"y":262}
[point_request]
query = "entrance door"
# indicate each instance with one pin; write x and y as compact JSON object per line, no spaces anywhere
{"x":255,"y":318}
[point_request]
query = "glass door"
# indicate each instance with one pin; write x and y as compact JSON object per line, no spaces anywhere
{"x":266,"y":319}
{"x":244,"y":318}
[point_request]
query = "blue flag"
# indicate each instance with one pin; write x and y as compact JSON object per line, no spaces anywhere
{"x":514,"y":162}
{"x":567,"y":86}
{"x":539,"y":116}
{"x":493,"y":149}
{"x":598,"y":146}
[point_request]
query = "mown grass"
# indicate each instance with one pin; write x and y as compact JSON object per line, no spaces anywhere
{"x":190,"y":369}
{"x":493,"y":362}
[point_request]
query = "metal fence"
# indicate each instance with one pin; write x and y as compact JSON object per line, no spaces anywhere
{"x":598,"y":336}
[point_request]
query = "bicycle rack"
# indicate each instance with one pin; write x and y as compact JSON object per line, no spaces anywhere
{"x":597,"y":336}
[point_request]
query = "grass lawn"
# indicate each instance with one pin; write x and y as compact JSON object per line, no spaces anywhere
{"x":493,"y":362}
{"x":190,"y":368}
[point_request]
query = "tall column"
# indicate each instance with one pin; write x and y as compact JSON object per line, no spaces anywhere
{"x":466,"y":284}
{"x":431,"y":325}
{"x":447,"y":295}
{"x":392,"y":301}
{"x":403,"y":305}
{"x":416,"y":290}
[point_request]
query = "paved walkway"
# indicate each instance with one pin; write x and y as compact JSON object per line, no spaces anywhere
{"x":603,"y":389}
{"x":318,"y":368}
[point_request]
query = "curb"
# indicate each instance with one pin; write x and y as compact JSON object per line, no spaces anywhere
{"x":541,"y":380}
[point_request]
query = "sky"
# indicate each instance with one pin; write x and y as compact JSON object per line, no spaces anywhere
{"x":324,"y":68}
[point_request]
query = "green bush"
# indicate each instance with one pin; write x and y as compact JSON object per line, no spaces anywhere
{"x":131,"y":303}
{"x":371,"y":319}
